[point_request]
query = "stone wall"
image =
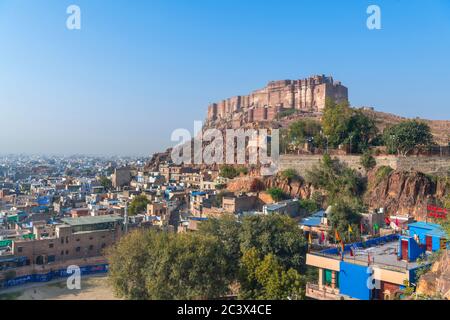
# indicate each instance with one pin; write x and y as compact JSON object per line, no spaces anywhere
{"x":428,"y":165}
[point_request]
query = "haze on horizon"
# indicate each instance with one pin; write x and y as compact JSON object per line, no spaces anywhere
{"x":138,"y":70}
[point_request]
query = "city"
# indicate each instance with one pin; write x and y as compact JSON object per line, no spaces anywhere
{"x":225,"y":158}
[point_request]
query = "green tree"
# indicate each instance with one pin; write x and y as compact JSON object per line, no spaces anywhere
{"x":407,"y":136}
{"x":344,"y":125}
{"x":159,"y":265}
{"x":309,"y":205}
{"x":342,"y":216}
{"x":276,"y":234}
{"x":266,"y":279}
{"x":337,"y":180}
{"x":368,"y":161}
{"x":228,"y":171}
{"x":138,"y":205}
{"x":277,"y":194}
{"x":289,"y":175}
{"x":105,"y":182}
{"x":226,"y":231}
{"x":302,"y":131}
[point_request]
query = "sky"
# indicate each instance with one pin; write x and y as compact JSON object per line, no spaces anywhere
{"x":137,"y":70}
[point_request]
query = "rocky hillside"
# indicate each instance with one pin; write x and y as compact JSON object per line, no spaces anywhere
{"x":439,"y":128}
{"x":399,"y":192}
{"x":436,"y":283}
{"x":404,"y":192}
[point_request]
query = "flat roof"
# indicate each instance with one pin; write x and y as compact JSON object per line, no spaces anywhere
{"x":382,"y":251}
{"x":80,"y":221}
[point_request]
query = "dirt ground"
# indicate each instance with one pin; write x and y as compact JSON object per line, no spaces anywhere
{"x":92,"y":288}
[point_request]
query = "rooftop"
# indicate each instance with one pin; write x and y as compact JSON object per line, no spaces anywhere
{"x":80,"y":221}
{"x":382,"y":252}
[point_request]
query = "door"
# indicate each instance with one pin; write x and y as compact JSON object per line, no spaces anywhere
{"x":405,"y":250}
{"x":429,"y":242}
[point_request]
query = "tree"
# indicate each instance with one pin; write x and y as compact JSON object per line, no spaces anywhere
{"x":266,"y":279}
{"x":335,"y":122}
{"x":159,"y":265}
{"x":407,"y":136}
{"x":228,"y":172}
{"x":337,"y":180}
{"x":303,"y":130}
{"x":289,"y":175}
{"x":277,"y":194}
{"x":105,"y":182}
{"x":342,"y":216}
{"x":138,"y":205}
{"x":368,"y":161}
{"x":226,"y":231}
{"x":344,"y":125}
{"x":127,"y":263}
{"x":276,"y":234}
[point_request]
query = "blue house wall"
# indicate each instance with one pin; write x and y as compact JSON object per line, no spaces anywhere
{"x":353,"y":281}
{"x":414,"y":249}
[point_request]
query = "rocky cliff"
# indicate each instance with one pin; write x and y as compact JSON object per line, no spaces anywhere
{"x":404,"y":192}
{"x":436,"y":283}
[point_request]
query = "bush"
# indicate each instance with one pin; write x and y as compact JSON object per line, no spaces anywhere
{"x":368,"y":161}
{"x":382,"y":173}
{"x":277,"y":194}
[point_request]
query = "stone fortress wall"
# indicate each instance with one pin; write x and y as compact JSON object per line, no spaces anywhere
{"x":438,"y":166}
{"x":307,"y":95}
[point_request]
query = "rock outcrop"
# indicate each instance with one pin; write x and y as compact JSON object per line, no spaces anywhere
{"x":436,"y":283}
{"x":404,"y":192}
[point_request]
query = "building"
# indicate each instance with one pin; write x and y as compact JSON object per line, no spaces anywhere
{"x":78,"y":241}
{"x":307,"y":95}
{"x":377,"y":269}
{"x":121,"y":177}
{"x":287,"y":207}
{"x":239,"y":204}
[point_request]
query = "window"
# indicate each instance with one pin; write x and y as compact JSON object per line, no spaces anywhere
{"x":62,"y":252}
{"x":51,"y":245}
{"x":78,"y":240}
{"x":67,"y":252}
{"x":103,"y":245}
{"x":91,"y":247}
{"x":78,"y":249}
{"x":20,"y":249}
{"x":62,"y":240}
{"x":51,"y":259}
{"x":67,"y":239}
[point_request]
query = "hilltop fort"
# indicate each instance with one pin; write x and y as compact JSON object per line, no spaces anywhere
{"x":306,"y":95}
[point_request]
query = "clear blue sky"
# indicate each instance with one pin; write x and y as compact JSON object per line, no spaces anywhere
{"x":139,"y":69}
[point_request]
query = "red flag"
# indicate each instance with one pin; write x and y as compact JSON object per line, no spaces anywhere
{"x":322,"y":237}
{"x":388,"y":221}
{"x":396,"y":222}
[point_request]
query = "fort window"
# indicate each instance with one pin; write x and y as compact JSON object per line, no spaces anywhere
{"x":67,"y":252}
{"x":51,"y":245}
{"x":20,"y":249}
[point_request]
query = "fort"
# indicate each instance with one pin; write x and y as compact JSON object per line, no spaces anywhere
{"x":306,"y":95}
